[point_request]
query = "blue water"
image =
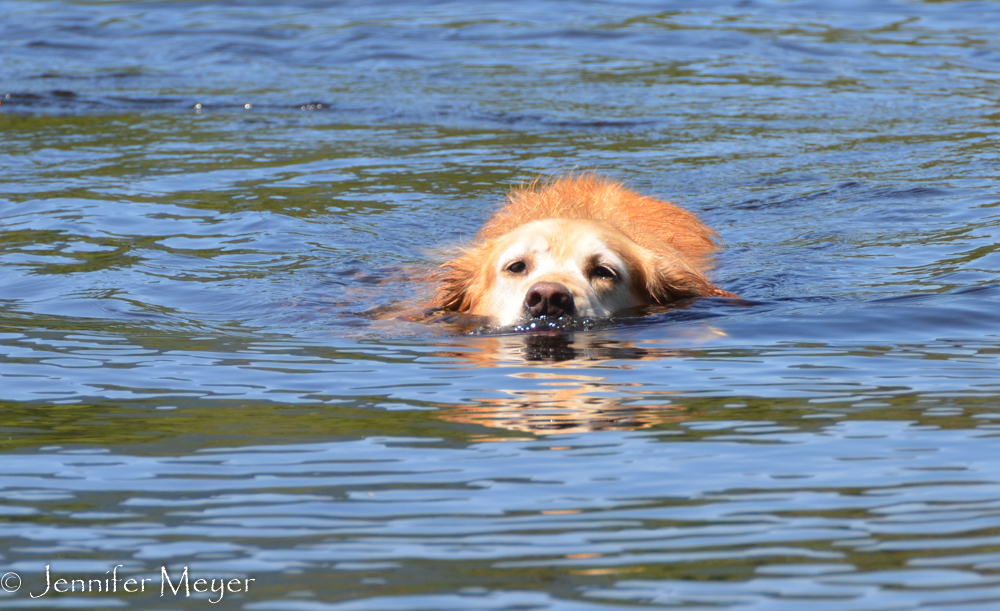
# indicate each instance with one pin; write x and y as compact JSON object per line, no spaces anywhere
{"x":204,"y":207}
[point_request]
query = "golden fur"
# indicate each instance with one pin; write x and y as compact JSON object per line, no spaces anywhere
{"x":594,"y":247}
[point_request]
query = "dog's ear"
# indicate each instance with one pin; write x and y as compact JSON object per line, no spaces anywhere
{"x":671,"y":278}
{"x":454,"y":281}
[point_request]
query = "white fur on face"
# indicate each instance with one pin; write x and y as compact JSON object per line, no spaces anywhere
{"x":562,"y":251}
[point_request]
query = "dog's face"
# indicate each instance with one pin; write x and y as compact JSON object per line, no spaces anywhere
{"x":561,"y":267}
{"x":558,"y":268}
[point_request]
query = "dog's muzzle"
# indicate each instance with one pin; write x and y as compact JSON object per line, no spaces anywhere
{"x":549,"y":299}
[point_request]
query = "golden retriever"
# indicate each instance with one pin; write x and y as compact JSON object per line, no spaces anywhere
{"x":581,"y":247}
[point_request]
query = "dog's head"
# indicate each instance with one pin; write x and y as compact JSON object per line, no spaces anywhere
{"x":580,"y":268}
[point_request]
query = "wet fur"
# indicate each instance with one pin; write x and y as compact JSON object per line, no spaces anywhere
{"x":665,"y":248}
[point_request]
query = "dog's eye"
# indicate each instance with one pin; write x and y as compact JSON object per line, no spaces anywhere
{"x":603,"y":271}
{"x":517,"y":267}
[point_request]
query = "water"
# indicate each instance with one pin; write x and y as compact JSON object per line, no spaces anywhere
{"x":202,"y":206}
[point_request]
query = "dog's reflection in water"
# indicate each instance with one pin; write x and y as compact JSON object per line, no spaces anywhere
{"x":556,"y":348}
{"x":559,"y":387}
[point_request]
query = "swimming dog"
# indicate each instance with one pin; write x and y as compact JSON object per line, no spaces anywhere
{"x":582,"y":247}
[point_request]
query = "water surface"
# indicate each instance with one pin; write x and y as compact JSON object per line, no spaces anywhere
{"x":202,"y":203}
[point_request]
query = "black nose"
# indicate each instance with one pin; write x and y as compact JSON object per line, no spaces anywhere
{"x":548,"y":299}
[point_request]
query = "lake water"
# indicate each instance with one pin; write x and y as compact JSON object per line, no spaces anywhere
{"x":202,"y":203}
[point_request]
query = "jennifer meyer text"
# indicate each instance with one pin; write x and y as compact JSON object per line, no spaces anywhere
{"x":177,"y":585}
